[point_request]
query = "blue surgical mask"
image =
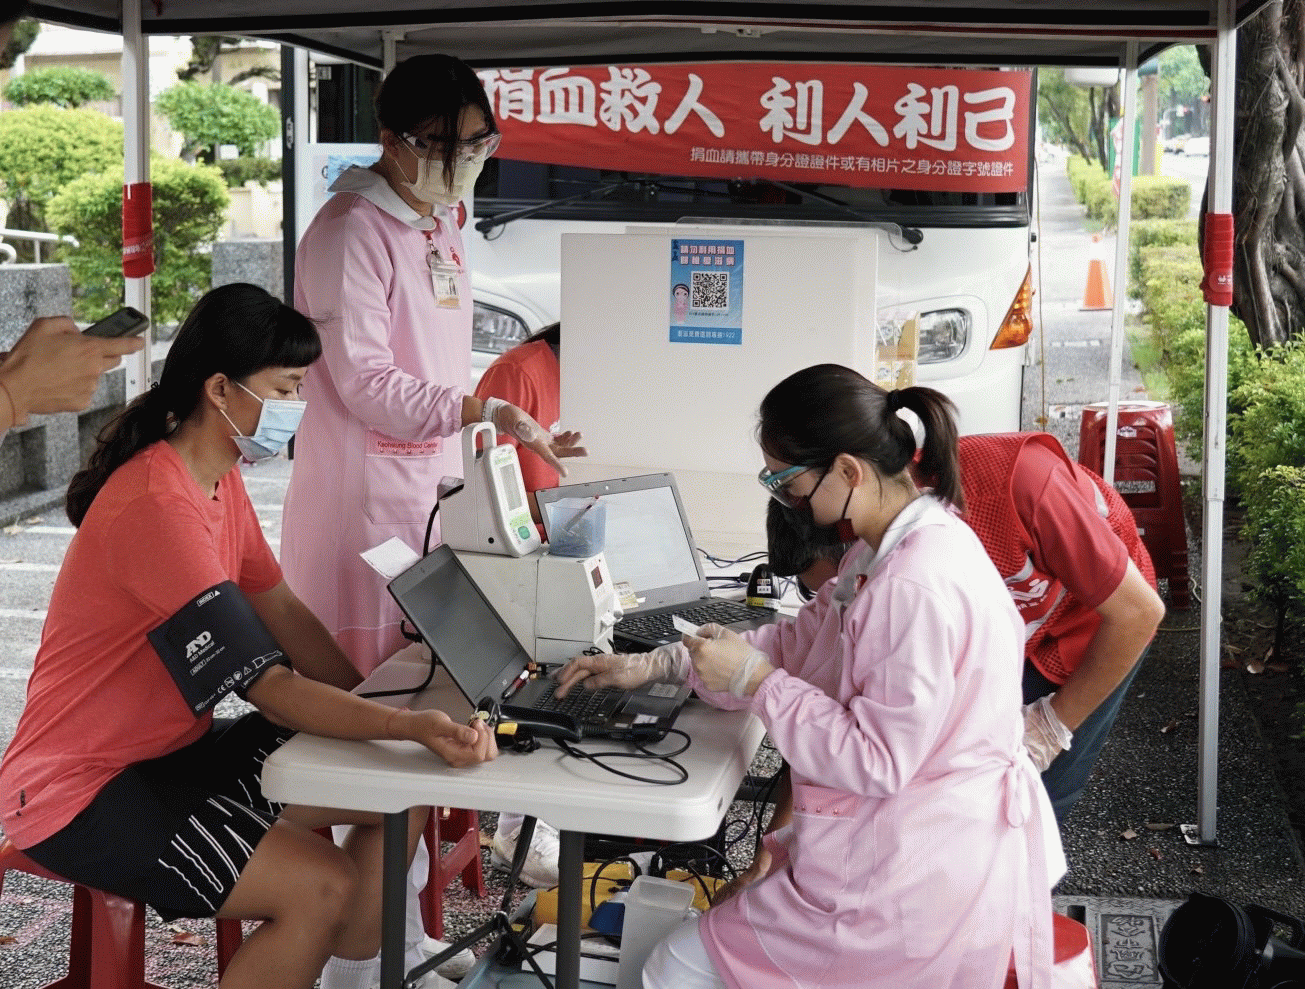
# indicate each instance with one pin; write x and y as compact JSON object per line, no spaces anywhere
{"x":277,"y":422}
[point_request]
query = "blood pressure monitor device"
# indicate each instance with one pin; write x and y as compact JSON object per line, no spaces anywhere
{"x":490,"y":514}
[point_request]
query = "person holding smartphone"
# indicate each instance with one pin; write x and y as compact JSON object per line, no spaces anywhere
{"x":52,"y":368}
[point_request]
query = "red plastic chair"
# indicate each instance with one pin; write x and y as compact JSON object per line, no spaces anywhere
{"x":462,"y":829}
{"x":1075,"y":966}
{"x":107,"y":947}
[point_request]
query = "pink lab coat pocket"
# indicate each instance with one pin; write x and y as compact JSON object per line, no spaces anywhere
{"x":400,"y":479}
{"x":829,"y":854}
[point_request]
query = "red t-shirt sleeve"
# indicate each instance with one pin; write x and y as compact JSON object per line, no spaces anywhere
{"x":1072,"y":539}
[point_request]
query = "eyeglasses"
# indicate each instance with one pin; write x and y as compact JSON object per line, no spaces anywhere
{"x":776,"y":484}
{"x":479,"y":147}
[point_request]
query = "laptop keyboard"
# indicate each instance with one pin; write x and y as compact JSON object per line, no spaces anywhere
{"x":586,"y":706}
{"x":722,"y":612}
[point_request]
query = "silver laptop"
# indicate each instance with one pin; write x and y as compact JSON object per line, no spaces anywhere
{"x":650,"y":546}
{"x":485,"y":660}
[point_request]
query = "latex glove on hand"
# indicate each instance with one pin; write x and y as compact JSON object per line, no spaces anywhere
{"x":519,"y":424}
{"x":1045,"y":735}
{"x":725,"y":661}
{"x":626,"y":670}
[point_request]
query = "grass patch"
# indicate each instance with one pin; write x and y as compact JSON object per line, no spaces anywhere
{"x":1147,"y":356}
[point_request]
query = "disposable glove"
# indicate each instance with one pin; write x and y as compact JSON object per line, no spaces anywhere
{"x":725,"y":660}
{"x":519,"y":424}
{"x":669,"y":663}
{"x":1045,"y":736}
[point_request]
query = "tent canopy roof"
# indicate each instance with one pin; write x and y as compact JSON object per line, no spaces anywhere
{"x":539,"y":32}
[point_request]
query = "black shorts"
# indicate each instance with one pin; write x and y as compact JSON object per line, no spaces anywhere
{"x":175,"y":832}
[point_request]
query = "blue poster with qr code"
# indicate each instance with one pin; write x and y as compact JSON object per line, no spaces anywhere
{"x":706,"y":291}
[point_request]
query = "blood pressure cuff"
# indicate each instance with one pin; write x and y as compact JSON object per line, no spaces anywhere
{"x":214,"y":646}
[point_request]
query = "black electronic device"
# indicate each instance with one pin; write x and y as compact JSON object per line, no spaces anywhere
{"x":126,"y":322}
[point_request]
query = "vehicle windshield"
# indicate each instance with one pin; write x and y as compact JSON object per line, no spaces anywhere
{"x":574,"y":193}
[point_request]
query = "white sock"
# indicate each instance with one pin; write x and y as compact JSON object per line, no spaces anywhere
{"x":507,"y":823}
{"x":350,"y":973}
{"x":414,"y":929}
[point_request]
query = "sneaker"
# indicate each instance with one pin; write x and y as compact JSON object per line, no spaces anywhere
{"x":540,"y":869}
{"x":456,"y":967}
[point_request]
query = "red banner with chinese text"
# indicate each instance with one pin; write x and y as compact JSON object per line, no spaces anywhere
{"x":871,"y":126}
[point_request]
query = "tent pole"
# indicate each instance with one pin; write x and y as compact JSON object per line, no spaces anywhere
{"x":136,"y":169}
{"x":1223,"y":66}
{"x":1125,"y":165}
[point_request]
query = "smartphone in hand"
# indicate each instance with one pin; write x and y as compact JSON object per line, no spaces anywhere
{"x":126,"y":322}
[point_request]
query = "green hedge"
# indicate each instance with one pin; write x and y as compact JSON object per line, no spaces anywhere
{"x":1158,"y":197}
{"x":1274,"y":531}
{"x":1153,"y":196}
{"x":1156,"y":233}
{"x":190,"y":203}
{"x":238,"y":171}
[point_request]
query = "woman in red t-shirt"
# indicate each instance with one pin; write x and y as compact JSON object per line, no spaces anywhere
{"x":119,"y":776}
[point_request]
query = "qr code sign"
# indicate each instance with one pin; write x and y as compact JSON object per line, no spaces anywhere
{"x":710,"y":290}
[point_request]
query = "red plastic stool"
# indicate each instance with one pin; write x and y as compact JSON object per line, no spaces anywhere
{"x":107,"y":947}
{"x":1075,"y":966}
{"x":462,"y":829}
{"x":1146,"y":477}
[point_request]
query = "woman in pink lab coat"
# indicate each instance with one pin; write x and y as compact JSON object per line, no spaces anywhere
{"x":381,"y":270}
{"x":922,"y":848}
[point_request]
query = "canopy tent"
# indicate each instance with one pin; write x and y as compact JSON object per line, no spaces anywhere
{"x":994,"y":32}
{"x":1113,"y":33}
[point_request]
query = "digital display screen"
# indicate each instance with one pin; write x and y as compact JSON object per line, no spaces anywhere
{"x":596,"y":575}
{"x":512,"y":486}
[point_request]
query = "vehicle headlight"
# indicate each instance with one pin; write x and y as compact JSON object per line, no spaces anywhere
{"x":495,"y":330}
{"x":943,"y":335}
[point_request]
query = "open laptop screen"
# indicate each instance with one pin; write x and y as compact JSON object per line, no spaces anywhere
{"x":458,"y":624}
{"x":648,"y":542}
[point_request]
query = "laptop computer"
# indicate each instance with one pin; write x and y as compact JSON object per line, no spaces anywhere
{"x":650,"y":546}
{"x":485,"y":660}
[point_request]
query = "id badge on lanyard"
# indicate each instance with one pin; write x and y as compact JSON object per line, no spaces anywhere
{"x":444,"y":274}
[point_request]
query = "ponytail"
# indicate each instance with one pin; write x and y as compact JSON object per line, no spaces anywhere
{"x":939,"y":460}
{"x":141,"y":423}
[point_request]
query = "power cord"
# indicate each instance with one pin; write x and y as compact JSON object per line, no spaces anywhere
{"x":642,"y":753}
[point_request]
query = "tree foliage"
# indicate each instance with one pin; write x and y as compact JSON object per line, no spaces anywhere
{"x":1077,"y":116}
{"x":206,"y":49}
{"x":1182,"y":83}
{"x":24,"y":33}
{"x":42,"y":149}
{"x":190,"y":203}
{"x":65,"y":85}
{"x":206,"y":115}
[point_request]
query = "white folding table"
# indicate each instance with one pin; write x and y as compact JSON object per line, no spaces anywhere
{"x":573,"y":795}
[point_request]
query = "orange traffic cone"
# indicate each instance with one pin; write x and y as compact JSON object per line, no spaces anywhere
{"x":1096,"y":294}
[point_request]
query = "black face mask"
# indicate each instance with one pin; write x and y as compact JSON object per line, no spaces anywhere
{"x":835,"y":533}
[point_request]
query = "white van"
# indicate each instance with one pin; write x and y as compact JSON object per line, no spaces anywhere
{"x":959,"y":259}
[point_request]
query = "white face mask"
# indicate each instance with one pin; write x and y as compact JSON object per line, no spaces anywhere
{"x":430,"y":187}
{"x":277,"y":422}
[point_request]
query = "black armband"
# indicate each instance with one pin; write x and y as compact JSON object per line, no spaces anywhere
{"x":216,"y":645}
